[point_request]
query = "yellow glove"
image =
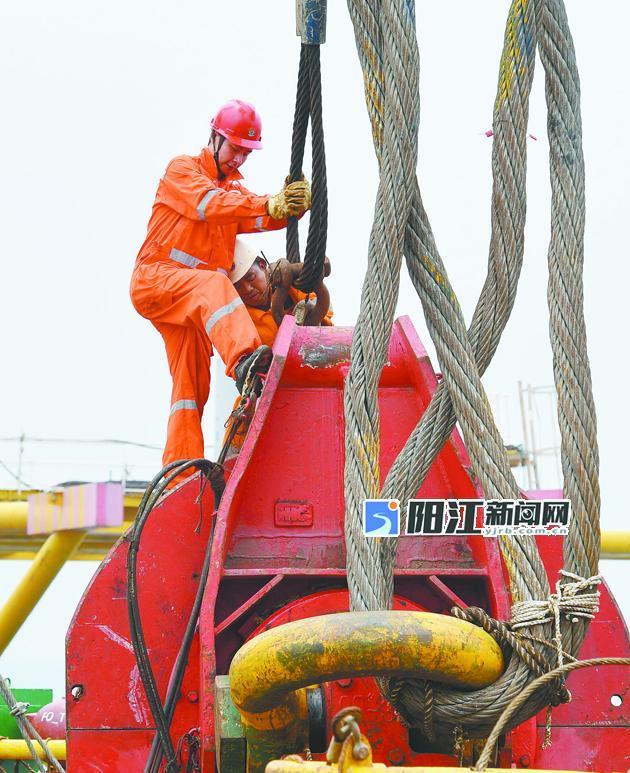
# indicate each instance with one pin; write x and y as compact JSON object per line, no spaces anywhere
{"x":298,"y":197}
{"x":294,"y":199}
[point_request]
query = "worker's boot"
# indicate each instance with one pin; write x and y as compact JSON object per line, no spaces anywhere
{"x":250,"y":365}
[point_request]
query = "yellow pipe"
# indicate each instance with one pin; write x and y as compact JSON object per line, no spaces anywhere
{"x":11,"y":749}
{"x":616,"y":544}
{"x":268,"y":673}
{"x":13,"y":517}
{"x":52,"y":555}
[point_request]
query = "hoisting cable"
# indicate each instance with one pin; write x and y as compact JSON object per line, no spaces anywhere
{"x":311,"y":23}
{"x":385,"y":32}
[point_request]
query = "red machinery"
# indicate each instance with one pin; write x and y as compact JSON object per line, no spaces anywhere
{"x":278,"y":555}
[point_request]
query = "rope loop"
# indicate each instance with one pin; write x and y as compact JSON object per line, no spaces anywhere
{"x":309,"y":103}
{"x":385,"y":34}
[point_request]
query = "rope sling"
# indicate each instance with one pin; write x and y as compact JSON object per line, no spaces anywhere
{"x":385,"y":33}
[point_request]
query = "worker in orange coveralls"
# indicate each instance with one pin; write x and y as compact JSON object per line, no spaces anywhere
{"x":255,"y":281}
{"x":180,"y":280}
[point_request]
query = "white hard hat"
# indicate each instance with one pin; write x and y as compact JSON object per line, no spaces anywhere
{"x":244,"y":257}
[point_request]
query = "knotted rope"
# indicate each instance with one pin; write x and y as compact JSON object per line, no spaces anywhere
{"x":28,"y":732}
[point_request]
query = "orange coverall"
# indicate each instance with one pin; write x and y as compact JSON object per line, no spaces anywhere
{"x":180,"y":284}
{"x":266,"y":325}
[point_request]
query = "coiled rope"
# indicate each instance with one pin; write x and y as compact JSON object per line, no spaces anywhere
{"x":387,"y":47}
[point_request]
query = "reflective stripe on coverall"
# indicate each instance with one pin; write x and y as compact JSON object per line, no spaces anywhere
{"x":180,"y":284}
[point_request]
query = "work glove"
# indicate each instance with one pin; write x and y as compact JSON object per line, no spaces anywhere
{"x":298,"y":196}
{"x":294,"y":199}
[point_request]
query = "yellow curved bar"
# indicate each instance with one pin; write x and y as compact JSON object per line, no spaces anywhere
{"x":268,"y":674}
{"x":393,"y":643}
{"x":11,"y":749}
{"x":52,"y":555}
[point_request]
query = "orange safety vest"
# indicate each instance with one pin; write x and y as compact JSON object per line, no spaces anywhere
{"x":196,"y":216}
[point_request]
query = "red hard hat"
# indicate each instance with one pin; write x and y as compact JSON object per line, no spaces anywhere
{"x":239,"y":123}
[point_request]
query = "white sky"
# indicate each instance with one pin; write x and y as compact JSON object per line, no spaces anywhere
{"x":98,"y":96}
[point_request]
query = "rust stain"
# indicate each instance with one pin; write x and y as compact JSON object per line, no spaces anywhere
{"x":325,"y":355}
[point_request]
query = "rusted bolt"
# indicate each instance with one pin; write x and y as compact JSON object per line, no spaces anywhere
{"x":344,"y":682}
{"x":524,"y":761}
{"x":193,"y":696}
{"x":396,"y":756}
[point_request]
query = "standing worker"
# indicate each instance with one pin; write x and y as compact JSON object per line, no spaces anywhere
{"x":180,"y":280}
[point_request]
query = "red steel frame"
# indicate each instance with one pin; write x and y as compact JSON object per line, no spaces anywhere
{"x":278,"y":554}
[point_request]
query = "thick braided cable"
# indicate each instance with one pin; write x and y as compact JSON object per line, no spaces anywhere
{"x":566,"y":324}
{"x":576,"y":408}
{"x":517,"y":673}
{"x":308,"y":102}
{"x":300,"y":127}
{"x":380,"y":290}
{"x":28,"y":732}
{"x":366,"y":20}
{"x":486,"y":329}
{"x":315,"y":251}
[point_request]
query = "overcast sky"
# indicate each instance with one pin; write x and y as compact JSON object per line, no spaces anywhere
{"x":98,"y":97}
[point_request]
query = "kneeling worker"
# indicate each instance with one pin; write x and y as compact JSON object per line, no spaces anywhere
{"x":180,"y":280}
{"x":268,"y":295}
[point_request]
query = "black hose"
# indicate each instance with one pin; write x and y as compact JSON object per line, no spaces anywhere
{"x":155,"y":757}
{"x":162,"y":715}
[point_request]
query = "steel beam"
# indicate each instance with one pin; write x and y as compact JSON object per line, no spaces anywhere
{"x":52,"y":555}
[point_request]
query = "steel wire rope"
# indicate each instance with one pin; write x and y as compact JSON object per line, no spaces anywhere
{"x":529,"y":691}
{"x":28,"y":732}
{"x":309,"y":103}
{"x":488,"y":322}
